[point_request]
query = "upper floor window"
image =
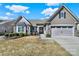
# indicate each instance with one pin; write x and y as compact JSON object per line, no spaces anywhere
{"x":62,"y":15}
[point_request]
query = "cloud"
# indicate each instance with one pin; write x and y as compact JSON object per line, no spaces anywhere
{"x":48,"y":11}
{"x":27,"y":12}
{"x":5,"y":18}
{"x":17,"y":8}
{"x":9,"y":14}
{"x":7,"y":6}
{"x":52,"y":4}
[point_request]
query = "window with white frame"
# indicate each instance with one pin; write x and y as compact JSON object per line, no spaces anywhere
{"x":20,"y":29}
{"x":62,"y":15}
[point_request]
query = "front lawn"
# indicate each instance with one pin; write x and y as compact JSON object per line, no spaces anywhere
{"x":31,"y":46}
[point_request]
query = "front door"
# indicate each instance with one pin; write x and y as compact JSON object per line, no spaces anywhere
{"x":41,"y":30}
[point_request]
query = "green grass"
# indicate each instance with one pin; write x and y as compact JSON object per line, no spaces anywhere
{"x":31,"y":46}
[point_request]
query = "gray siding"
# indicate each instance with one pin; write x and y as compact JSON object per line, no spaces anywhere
{"x":68,"y":20}
{"x":7,"y":28}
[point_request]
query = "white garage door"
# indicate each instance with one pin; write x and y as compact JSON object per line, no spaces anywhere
{"x":62,"y":30}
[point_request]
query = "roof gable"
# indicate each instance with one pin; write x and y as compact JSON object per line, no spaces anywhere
{"x":22,"y":19}
{"x":56,"y":13}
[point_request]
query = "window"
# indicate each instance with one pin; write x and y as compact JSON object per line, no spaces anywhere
{"x":58,"y":26}
{"x":62,"y":15}
{"x":34,"y":28}
{"x":52,"y":26}
{"x":20,"y":29}
{"x":70,"y":26}
{"x":41,"y":30}
{"x":64,"y":26}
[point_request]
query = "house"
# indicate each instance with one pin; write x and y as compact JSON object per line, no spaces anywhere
{"x":22,"y":25}
{"x":62,"y":23}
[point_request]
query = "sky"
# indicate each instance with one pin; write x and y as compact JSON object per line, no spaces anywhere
{"x":33,"y":11}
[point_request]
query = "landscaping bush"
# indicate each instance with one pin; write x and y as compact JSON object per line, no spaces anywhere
{"x":25,"y":34}
{"x":21,"y":34}
{"x":10,"y":34}
{"x":15,"y":35}
{"x":48,"y":35}
{"x":1,"y":33}
{"x":7,"y":35}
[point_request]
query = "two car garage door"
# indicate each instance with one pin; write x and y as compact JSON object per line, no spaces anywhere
{"x":62,"y":30}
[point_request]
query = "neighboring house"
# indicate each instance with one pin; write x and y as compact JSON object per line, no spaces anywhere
{"x":6,"y":26}
{"x":22,"y":25}
{"x":62,"y":23}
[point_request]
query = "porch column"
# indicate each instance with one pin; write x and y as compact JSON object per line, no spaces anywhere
{"x":45,"y":30}
{"x":29,"y":30}
{"x":73,"y":31}
{"x":14,"y":29}
{"x":38,"y":29}
{"x":24,"y":29}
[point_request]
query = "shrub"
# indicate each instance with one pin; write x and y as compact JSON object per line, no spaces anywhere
{"x":48,"y":35}
{"x":1,"y":33}
{"x":7,"y":34}
{"x":17,"y":34}
{"x":10,"y":34}
{"x":25,"y":34}
{"x":13,"y":34}
{"x":21,"y":34}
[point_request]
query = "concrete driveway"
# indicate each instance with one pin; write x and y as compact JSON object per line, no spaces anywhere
{"x":70,"y":43}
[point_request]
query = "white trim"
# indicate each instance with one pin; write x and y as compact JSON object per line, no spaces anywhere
{"x":62,"y":13}
{"x":73,"y":31}
{"x":38,"y":28}
{"x":24,"y":29}
{"x":66,"y":28}
{"x":16,"y":29}
{"x":45,"y":30}
{"x":76,"y":18}
{"x":69,"y":11}
{"x":28,"y":29}
{"x":19,"y":32}
{"x":24,"y":20}
{"x":62,"y":25}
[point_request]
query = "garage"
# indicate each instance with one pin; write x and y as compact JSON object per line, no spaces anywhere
{"x":62,"y":31}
